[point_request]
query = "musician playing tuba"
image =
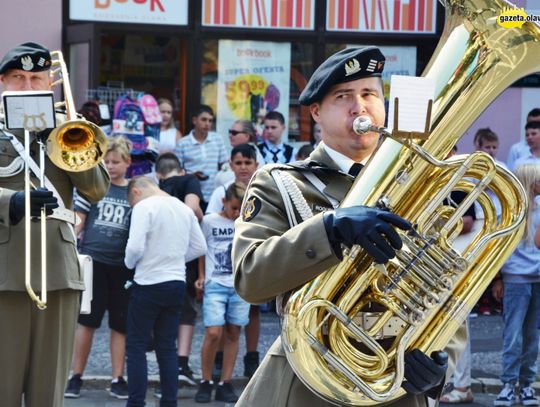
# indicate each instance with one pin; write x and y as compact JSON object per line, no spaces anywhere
{"x":291,"y":228}
{"x":36,"y":345}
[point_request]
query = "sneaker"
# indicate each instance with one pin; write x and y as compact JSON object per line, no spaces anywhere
{"x":218,"y":366}
{"x":204,"y":392}
{"x":507,"y":396}
{"x":251,"y":363}
{"x":225,"y":392}
{"x":157,"y":393}
{"x":119,"y":389}
{"x":185,"y":376}
{"x":527,"y":396}
{"x":73,"y":388}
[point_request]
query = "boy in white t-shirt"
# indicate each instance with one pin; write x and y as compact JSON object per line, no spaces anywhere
{"x":224,"y":312}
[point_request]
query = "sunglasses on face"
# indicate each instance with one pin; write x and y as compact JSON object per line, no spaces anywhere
{"x":235,"y":132}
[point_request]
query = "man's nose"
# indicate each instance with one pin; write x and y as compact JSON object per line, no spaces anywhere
{"x":27,"y":84}
{"x":358,"y":105}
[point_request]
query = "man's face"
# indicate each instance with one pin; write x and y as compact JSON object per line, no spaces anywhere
{"x":17,"y":80}
{"x":273,"y":130}
{"x":243,"y":167}
{"x":340,"y":106}
{"x":490,"y":147}
{"x":532,"y":137}
{"x":203,"y":122}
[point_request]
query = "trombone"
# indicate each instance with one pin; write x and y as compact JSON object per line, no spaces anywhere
{"x":75,"y":145}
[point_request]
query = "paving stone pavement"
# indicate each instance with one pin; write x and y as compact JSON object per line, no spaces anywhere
{"x":486,"y":334}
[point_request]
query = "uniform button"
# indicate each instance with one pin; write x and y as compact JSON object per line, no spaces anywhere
{"x":310,"y":253}
{"x":4,"y":149}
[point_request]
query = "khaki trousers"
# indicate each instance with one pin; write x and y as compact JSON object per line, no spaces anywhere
{"x":36,"y":347}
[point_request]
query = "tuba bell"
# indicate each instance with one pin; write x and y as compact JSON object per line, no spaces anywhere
{"x":345,"y":333}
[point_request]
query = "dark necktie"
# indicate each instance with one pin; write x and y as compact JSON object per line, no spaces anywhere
{"x":355,"y":169}
{"x":275,"y":154}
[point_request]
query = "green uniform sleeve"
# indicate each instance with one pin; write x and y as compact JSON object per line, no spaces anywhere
{"x":269,"y":257}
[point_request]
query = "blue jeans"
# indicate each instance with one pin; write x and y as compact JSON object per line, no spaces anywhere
{"x":153,"y":309}
{"x":521,"y":305}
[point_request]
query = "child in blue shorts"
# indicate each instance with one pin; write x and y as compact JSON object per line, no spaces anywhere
{"x":224,"y":312}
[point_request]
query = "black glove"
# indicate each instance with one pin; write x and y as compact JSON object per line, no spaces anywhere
{"x":39,"y":198}
{"x":425,"y":374}
{"x":368,"y":227}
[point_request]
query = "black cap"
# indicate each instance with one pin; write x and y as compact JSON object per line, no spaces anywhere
{"x":30,"y":57}
{"x":346,"y":65}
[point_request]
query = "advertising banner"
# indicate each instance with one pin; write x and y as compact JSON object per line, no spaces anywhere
{"x":280,"y":14}
{"x":253,"y":79}
{"x":168,"y":12}
{"x":382,"y":16}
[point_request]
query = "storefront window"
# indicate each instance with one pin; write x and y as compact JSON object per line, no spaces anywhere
{"x":143,"y":63}
{"x":257,"y":77}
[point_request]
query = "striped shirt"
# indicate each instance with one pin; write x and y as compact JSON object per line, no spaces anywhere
{"x":205,"y":157}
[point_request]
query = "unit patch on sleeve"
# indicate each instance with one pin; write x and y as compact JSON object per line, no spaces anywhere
{"x":252,"y":206}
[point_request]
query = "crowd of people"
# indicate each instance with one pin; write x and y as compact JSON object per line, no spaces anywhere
{"x":150,"y":278}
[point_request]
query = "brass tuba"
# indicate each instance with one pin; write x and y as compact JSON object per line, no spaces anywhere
{"x":345,"y":332}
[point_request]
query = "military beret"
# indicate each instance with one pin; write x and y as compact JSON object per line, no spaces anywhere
{"x":346,"y":65}
{"x":29,"y":57}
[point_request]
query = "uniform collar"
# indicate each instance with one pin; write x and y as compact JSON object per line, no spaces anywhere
{"x":343,"y":162}
{"x":338,"y":182}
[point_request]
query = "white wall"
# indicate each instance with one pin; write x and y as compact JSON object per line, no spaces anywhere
{"x":30,"y":20}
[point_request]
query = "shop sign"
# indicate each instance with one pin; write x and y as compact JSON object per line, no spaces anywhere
{"x":382,"y":16}
{"x":169,"y":12}
{"x":253,"y":79}
{"x":270,"y":14}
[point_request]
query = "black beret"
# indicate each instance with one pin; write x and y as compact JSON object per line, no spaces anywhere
{"x":346,"y":65}
{"x":29,"y":57}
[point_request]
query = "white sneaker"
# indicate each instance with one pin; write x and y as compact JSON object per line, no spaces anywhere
{"x":527,"y":396}
{"x":507,"y":396}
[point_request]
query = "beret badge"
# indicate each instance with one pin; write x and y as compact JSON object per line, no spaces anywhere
{"x":352,"y":66}
{"x":26,"y":63}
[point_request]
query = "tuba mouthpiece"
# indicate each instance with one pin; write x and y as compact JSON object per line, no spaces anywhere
{"x":362,"y":124}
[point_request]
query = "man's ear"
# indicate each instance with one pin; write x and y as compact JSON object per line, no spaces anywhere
{"x":314,"y":109}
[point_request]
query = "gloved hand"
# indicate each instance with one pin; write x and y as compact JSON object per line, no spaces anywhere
{"x":39,"y":198}
{"x":368,"y":227}
{"x":425,"y":374}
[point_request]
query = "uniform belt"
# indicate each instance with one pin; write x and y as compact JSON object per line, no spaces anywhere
{"x":63,"y":214}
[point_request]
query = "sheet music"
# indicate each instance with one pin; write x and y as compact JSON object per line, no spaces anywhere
{"x":31,"y":109}
{"x":413,"y":93}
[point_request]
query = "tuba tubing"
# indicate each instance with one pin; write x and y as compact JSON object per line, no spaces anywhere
{"x":422,"y":303}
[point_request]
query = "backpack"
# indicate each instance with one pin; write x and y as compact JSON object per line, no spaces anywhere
{"x":128,"y":121}
{"x":151,"y":114}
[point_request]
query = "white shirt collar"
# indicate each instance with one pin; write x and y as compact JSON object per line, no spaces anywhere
{"x":343,"y":162}
{"x":195,"y":141}
{"x":272,"y":146}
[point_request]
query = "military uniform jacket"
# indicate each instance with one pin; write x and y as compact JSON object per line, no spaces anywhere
{"x":62,"y":263}
{"x":270,"y":258}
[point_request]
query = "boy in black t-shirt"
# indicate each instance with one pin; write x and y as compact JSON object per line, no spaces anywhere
{"x":174,"y":181}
